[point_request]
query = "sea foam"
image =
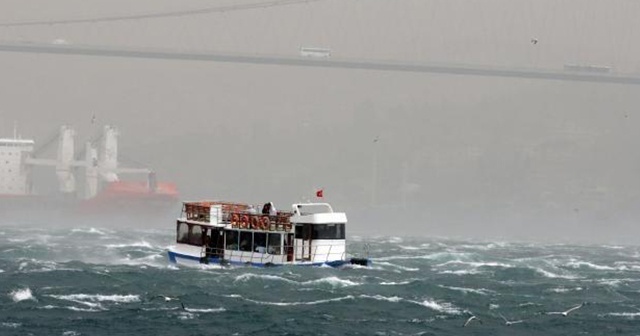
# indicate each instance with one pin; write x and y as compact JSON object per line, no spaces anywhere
{"x":21,"y":295}
{"x":98,"y":298}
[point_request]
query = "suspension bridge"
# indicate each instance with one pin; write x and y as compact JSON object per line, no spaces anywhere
{"x":271,"y":33}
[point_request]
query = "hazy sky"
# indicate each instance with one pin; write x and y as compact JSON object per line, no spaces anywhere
{"x":463,"y":156}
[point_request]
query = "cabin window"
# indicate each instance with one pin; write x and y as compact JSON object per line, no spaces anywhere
{"x":260,"y":242}
{"x":275,"y":243}
{"x":183,"y":233}
{"x":299,"y":228}
{"x":246,"y":241}
{"x":328,"y":231}
{"x":195,"y":237}
{"x":232,"y":240}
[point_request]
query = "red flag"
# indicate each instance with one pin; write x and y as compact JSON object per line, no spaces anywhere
{"x":319,"y":193}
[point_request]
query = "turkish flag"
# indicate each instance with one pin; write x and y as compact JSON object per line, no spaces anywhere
{"x":319,"y":193}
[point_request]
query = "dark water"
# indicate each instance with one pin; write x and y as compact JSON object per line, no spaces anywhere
{"x":95,"y":281}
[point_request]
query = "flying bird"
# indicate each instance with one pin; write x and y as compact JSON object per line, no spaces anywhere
{"x":534,"y":41}
{"x":93,"y":119}
{"x":471,"y":319}
{"x":567,"y":312}
{"x":376,"y":139}
{"x":508,"y":323}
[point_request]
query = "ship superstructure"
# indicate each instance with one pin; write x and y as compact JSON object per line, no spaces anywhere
{"x":91,"y":176}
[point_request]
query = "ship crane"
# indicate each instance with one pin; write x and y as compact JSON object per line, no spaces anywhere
{"x":99,"y":164}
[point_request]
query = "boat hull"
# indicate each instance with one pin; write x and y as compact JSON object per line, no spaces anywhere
{"x":192,"y":260}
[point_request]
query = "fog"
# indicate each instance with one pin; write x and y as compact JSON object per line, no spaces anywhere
{"x":402,"y":153}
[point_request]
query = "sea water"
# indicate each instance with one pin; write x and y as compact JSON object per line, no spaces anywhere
{"x":100,"y":281}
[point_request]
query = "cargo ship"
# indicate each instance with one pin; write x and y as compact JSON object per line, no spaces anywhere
{"x":90,"y":183}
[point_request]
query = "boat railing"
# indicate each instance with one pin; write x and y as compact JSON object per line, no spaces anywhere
{"x":255,"y":257}
{"x":238,"y":215}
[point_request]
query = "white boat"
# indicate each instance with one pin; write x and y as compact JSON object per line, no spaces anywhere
{"x":213,"y":232}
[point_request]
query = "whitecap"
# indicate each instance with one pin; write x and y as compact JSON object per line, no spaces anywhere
{"x":461,"y":272}
{"x":249,"y":276}
{"x":141,"y":243}
{"x":528,"y":304}
{"x":21,"y":295}
{"x":73,"y":308}
{"x":548,"y":274}
{"x":475,"y":264}
{"x":579,"y":264}
{"x":391,"y":283}
{"x":493,"y":306}
{"x":98,"y":297}
{"x":404,"y":268}
{"x":564,"y":289}
{"x":299,"y":303}
{"x":89,"y":230}
{"x":186,"y":316}
{"x":11,"y":324}
{"x":624,"y":314}
{"x":86,"y":310}
{"x":393,"y":299}
{"x":611,"y":282}
{"x":207,"y":310}
{"x":443,"y":307}
{"x":233,"y":295}
{"x":465,"y":290}
{"x":434,"y":256}
{"x":70,"y":333}
{"x":412,"y":248}
{"x":161,"y":308}
{"x":333,"y":281}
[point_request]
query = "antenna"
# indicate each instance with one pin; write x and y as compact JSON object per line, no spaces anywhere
{"x":15,"y":130}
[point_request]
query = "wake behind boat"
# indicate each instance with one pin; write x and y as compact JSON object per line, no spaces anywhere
{"x":224,"y":233}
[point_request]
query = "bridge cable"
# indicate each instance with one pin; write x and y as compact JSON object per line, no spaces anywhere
{"x":201,"y":11}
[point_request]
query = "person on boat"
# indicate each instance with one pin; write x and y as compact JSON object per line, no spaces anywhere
{"x":266,"y":208}
{"x":272,"y":209}
{"x":244,"y":245}
{"x":252,"y":210}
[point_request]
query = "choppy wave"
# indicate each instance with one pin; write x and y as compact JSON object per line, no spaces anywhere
{"x":11,"y":324}
{"x":87,"y":298}
{"x":331,"y":281}
{"x":400,"y":267}
{"x":205,"y":310}
{"x":90,"y":230}
{"x":443,"y":307}
{"x":579,"y":264}
{"x":393,"y":283}
{"x":465,"y":290}
{"x":631,"y":315}
{"x":552,"y":275}
{"x":22,"y":295}
{"x":299,"y":303}
{"x":140,"y":243}
{"x":101,"y":278}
